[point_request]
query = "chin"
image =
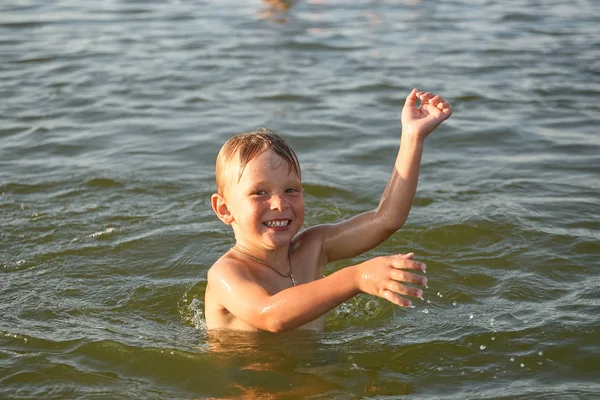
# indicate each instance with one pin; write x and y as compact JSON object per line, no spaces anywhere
{"x":280,"y":240}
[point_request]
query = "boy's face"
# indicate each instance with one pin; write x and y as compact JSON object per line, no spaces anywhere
{"x":267,"y":204}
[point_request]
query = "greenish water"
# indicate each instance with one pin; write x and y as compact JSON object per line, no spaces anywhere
{"x":111,"y":115}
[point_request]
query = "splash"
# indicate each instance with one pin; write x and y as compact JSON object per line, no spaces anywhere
{"x":359,"y":308}
{"x":193,"y":314}
{"x":107,"y":231}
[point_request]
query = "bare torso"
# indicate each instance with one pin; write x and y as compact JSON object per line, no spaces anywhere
{"x":307,"y":267}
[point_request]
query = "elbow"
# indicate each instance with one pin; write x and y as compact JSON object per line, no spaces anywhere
{"x":392,"y":228}
{"x":275,"y":325}
{"x":390,"y":225}
{"x":271,"y":321}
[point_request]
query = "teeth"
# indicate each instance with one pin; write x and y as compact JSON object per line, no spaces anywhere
{"x":277,"y":224}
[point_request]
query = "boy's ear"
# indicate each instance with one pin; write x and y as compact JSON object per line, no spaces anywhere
{"x":220,"y":208}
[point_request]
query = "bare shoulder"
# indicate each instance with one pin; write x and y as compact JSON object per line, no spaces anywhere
{"x":226,"y":267}
{"x":316,"y":235}
{"x":313,"y":235}
{"x":348,"y":238}
{"x":222,"y":278}
{"x":324,"y":232}
{"x":309,"y":240}
{"x":308,"y":248}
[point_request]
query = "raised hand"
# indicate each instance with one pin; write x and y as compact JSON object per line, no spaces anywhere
{"x":384,"y":277}
{"x":422,"y":120}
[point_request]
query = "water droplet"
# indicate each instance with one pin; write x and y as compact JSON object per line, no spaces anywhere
{"x":421,"y":298}
{"x":522,"y":365}
{"x":539,"y":363}
{"x":470,"y":317}
{"x":493,"y":338}
{"x":372,"y":307}
{"x":428,"y":302}
{"x":482,"y":347}
{"x":172,"y":353}
{"x":512,"y":359}
{"x":453,"y":303}
{"x":426,"y":311}
{"x":540,"y":353}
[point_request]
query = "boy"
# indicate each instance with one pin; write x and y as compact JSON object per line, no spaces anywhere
{"x":272,"y":279}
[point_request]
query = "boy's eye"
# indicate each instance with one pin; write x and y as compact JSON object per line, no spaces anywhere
{"x":293,"y":190}
{"x":259,"y":192}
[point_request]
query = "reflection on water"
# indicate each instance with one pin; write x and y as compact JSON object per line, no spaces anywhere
{"x":280,"y":4}
{"x":276,"y":10}
{"x":272,"y":366}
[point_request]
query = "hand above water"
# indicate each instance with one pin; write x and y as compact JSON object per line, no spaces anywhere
{"x":385,"y":277}
{"x":421,"y":121}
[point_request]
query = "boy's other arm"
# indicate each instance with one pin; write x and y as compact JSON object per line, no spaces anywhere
{"x":367,"y":230}
{"x":293,"y":307}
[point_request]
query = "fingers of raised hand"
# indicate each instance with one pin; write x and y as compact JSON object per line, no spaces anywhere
{"x":428,"y":98}
{"x":411,"y":99}
{"x":425,"y":97}
{"x":444,"y":106}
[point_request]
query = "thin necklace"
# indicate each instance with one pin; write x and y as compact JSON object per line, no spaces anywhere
{"x":258,"y":260}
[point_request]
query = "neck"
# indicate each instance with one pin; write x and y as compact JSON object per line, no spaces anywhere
{"x":275,"y":257}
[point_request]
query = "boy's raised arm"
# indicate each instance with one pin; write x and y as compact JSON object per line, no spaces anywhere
{"x":367,"y":230}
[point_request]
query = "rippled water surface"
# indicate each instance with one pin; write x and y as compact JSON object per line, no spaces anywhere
{"x":111,"y":115}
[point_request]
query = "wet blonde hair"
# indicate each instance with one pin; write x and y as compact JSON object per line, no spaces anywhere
{"x":246,"y":146}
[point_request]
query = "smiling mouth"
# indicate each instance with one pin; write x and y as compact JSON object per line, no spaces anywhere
{"x":281,"y":223}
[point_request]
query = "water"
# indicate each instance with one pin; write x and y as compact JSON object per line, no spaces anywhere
{"x":111,"y":117}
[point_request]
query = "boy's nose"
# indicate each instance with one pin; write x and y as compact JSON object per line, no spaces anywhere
{"x":278,"y":202}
